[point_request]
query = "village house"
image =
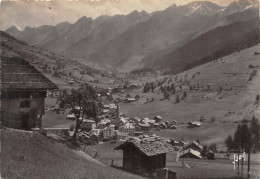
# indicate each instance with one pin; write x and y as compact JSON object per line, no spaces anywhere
{"x":95,"y":131}
{"x":71,"y":117}
{"x":109,"y":131}
{"x":144,"y":127}
{"x":157,"y":118}
{"x":121,"y":122}
{"x":194,"y":146}
{"x":192,"y":124}
{"x":128,"y":128}
{"x":190,"y":153}
{"x":130,"y":100}
{"x":146,"y":120}
{"x":144,"y":156}
{"x":71,"y":82}
{"x":88,"y":124}
{"x":121,"y":136}
{"x":23,"y":92}
{"x":135,"y":119}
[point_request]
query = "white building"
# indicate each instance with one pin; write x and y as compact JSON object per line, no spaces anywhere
{"x":128,"y":128}
{"x":122,"y":136}
{"x":109,"y":131}
{"x":95,"y":131}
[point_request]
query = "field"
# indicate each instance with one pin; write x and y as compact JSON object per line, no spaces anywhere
{"x":218,"y":168}
{"x":222,"y":111}
{"x":39,"y":157}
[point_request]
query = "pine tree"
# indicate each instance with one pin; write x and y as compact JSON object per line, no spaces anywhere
{"x":229,"y":143}
{"x":257,"y":99}
{"x":236,"y":138}
{"x":255,"y":131}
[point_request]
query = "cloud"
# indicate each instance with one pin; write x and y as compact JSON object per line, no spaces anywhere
{"x":36,"y":13}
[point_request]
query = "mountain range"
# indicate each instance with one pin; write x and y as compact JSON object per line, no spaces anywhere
{"x":139,"y":36}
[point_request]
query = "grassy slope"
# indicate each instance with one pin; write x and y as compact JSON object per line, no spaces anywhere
{"x":31,"y":155}
{"x":227,"y":107}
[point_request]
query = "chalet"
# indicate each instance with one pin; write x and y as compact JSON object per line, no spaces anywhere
{"x":143,"y":156}
{"x":95,"y":131}
{"x":195,"y":146}
{"x":190,"y":153}
{"x":130,"y":100}
{"x":122,"y":136}
{"x":157,"y":118}
{"x":138,"y":133}
{"x":88,"y":124}
{"x":106,"y":106}
{"x":146,"y":120}
{"x":101,"y":126}
{"x":23,"y":92}
{"x":71,"y":82}
{"x":121,"y":122}
{"x":135,"y":119}
{"x":177,"y":143}
{"x":194,"y":124}
{"x":144,"y":127}
{"x":71,"y":117}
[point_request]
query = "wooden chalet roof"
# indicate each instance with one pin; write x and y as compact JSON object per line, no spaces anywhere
{"x":18,"y":74}
{"x":148,"y":147}
{"x":190,"y":151}
{"x":194,"y":143}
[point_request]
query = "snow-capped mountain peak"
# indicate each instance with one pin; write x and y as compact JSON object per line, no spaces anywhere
{"x":240,"y":5}
{"x":200,"y":7}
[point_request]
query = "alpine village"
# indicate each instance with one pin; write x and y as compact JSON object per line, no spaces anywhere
{"x":167,"y":94}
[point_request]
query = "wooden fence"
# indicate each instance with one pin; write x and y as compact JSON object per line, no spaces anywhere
{"x":96,"y":155}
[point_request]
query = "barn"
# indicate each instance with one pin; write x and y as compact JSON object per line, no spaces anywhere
{"x":144,"y":155}
{"x":23,"y":92}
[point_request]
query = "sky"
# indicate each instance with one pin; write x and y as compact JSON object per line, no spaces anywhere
{"x":22,"y":13}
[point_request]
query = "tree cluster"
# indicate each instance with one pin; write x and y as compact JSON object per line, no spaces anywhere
{"x":245,"y":138}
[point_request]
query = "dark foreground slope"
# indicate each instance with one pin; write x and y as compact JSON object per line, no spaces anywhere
{"x":32,"y":155}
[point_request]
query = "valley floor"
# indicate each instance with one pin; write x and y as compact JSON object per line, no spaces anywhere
{"x":222,"y":111}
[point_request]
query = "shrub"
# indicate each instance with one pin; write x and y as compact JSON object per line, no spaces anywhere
{"x":137,"y":96}
{"x":166,"y":95}
{"x":212,"y":119}
{"x":202,"y":118}
{"x":213,"y":147}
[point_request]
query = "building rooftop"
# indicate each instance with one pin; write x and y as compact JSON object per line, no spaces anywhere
{"x":18,"y":74}
{"x":128,"y":126}
{"x":195,"y":143}
{"x":148,"y":147}
{"x":191,"y":151}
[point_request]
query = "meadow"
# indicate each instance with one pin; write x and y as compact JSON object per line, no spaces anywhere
{"x":40,"y":157}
